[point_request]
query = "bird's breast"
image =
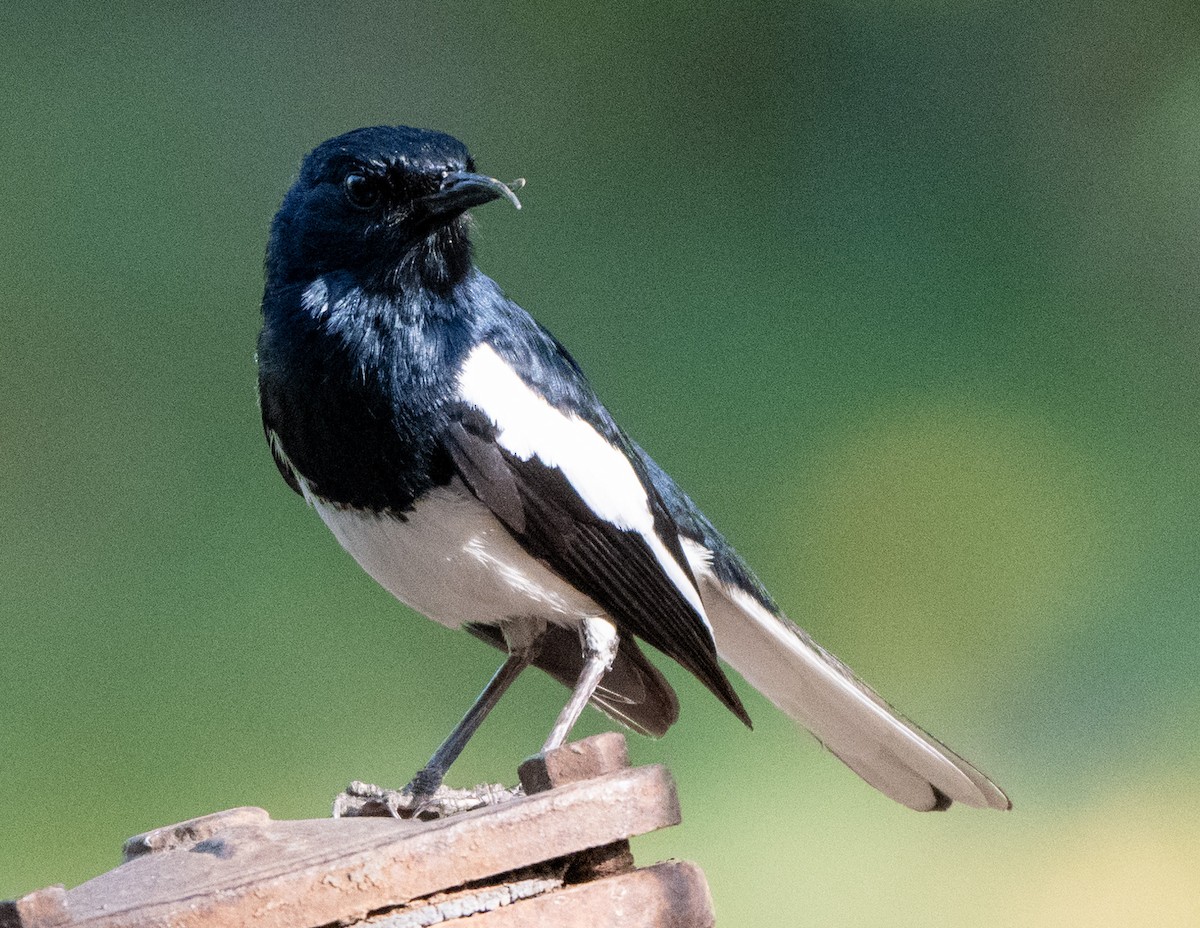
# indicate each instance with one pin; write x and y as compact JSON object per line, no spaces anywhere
{"x":450,"y":559}
{"x":356,"y":409}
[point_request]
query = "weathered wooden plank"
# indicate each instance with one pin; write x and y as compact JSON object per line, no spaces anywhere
{"x":561,"y":856}
{"x":667,"y":895}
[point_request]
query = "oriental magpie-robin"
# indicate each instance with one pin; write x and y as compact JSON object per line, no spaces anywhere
{"x":456,"y":450}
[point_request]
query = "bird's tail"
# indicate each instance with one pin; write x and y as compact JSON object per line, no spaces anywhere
{"x":821,"y":693}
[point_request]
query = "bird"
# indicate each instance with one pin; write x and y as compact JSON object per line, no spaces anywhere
{"x":459,"y":454}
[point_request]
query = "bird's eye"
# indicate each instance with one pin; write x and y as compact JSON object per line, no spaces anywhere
{"x":362,"y":190}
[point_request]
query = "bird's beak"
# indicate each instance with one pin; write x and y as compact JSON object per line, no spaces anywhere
{"x":462,"y":190}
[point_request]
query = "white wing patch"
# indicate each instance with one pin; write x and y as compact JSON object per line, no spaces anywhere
{"x":527,"y":427}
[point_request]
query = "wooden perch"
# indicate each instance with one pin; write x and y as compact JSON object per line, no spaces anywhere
{"x":557,"y":856}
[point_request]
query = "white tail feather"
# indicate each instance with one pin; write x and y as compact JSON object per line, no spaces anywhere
{"x":821,"y":693}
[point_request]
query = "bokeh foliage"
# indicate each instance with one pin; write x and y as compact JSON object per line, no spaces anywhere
{"x":903,"y":293}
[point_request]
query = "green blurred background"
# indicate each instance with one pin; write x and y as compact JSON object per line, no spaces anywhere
{"x":903,"y":293}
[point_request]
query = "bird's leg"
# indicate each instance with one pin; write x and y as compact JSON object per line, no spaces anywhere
{"x":429,"y":778}
{"x":523,"y":639}
{"x":599,"y":637}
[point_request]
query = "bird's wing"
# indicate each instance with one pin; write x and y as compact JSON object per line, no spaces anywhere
{"x":810,"y":684}
{"x":576,"y":500}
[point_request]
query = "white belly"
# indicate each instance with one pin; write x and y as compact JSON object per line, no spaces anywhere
{"x":453,"y":561}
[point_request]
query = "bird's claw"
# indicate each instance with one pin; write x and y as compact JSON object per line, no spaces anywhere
{"x":412,"y":802}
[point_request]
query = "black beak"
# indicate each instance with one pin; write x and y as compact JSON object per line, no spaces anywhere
{"x":462,"y":190}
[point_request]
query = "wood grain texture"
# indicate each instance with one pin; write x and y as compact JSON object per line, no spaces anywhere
{"x":545,"y":856}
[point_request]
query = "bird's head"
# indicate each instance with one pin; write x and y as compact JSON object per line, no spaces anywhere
{"x":384,"y":204}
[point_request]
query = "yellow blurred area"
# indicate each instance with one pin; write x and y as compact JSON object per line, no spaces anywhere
{"x":1131,"y":859}
{"x":1108,"y":857}
{"x":983,"y":531}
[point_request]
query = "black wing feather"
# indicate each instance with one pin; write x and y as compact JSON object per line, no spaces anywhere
{"x":614,"y":567}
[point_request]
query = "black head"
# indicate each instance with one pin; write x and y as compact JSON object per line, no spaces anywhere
{"x":385,"y":204}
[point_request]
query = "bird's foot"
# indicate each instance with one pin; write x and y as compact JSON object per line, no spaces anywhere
{"x":366,"y":799}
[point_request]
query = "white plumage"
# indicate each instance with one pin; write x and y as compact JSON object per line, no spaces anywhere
{"x":479,"y":574}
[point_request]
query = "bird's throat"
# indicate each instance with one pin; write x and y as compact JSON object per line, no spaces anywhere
{"x":439,"y":262}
